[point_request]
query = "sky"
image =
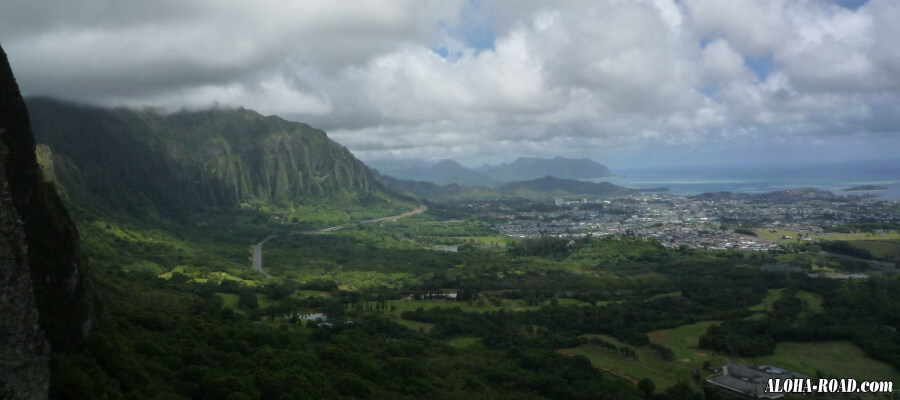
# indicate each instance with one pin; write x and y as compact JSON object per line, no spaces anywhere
{"x":624,"y":82}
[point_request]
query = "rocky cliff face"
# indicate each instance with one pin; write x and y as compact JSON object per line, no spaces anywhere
{"x":143,"y":162}
{"x":41,"y":277}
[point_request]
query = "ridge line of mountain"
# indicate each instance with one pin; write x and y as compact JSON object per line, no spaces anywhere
{"x":523,"y":168}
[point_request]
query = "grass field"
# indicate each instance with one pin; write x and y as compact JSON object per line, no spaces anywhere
{"x":415,"y":325}
{"x":483,"y":305}
{"x":643,"y":367}
{"x":264,"y":301}
{"x":859,"y":236}
{"x":202,"y":277}
{"x":682,"y":341}
{"x":671,"y":294}
{"x":881,"y":249}
{"x":399,"y":306}
{"x":766,"y":305}
{"x":314,"y":293}
{"x":842,"y":359}
{"x":463,"y":341}
{"x":813,"y":301}
{"x":229,"y":300}
{"x":499,"y":240}
{"x":766,"y":233}
{"x":838,"y":358}
{"x":479,"y":306}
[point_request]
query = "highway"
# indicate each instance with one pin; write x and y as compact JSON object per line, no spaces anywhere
{"x":257,"y":248}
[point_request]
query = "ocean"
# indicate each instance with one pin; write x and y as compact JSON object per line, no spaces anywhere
{"x":762,"y":179}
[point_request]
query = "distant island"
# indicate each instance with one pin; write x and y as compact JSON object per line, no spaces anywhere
{"x":864,"y":187}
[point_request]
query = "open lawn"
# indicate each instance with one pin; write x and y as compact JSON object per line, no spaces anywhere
{"x":813,"y":301}
{"x":498,"y":240}
{"x":229,"y":300}
{"x":314,"y":293}
{"x":766,"y":305}
{"x":396,"y":307}
{"x":683,"y":342}
{"x":671,"y":294}
{"x":766,"y":233}
{"x":648,"y":364}
{"x":478,"y":306}
{"x":664,"y":374}
{"x":859,"y":236}
{"x":415,"y":325}
{"x":881,"y":249}
{"x":482,"y":305}
{"x":264,"y":301}
{"x":839,"y":358}
{"x":463,"y":341}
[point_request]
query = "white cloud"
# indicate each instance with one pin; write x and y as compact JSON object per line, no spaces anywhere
{"x":567,"y":77}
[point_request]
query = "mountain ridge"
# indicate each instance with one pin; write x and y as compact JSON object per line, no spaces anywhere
{"x":528,"y":168}
{"x":523,"y":168}
{"x":143,"y":162}
{"x":554,"y":185}
{"x":43,"y":295}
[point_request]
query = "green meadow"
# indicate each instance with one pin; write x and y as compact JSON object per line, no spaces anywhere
{"x":839,"y":358}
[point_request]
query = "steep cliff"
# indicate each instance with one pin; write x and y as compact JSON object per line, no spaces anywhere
{"x":42,"y":298}
{"x":142,"y":162}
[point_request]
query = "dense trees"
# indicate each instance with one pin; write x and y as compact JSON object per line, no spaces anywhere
{"x":210,"y":328}
{"x":847,"y":249}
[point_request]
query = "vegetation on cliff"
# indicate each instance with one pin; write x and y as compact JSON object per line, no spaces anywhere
{"x":151,"y":165}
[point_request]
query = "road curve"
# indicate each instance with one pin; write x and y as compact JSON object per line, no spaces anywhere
{"x":257,"y":256}
{"x":257,"y":248}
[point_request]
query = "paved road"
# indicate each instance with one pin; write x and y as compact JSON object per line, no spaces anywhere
{"x":257,"y":248}
{"x":257,"y":256}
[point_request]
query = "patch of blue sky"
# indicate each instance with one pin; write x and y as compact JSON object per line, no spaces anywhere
{"x":473,"y":31}
{"x":852,"y":4}
{"x":709,"y":90}
{"x":761,"y":66}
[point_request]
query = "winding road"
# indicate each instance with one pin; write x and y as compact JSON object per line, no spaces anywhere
{"x":257,"y":256}
{"x":257,"y":248}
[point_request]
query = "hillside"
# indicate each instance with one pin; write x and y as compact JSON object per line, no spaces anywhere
{"x":443,"y":172}
{"x":421,"y":189}
{"x":42,"y":288}
{"x":527,"y":168}
{"x":557,"y":186}
{"x":543,"y":187}
{"x":145,"y":163}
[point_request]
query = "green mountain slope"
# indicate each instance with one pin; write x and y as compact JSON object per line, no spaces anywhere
{"x":526,"y":168}
{"x":443,"y":172}
{"x":43,"y":296}
{"x":143,"y":162}
{"x":545,"y":187}
{"x":557,"y":186}
{"x":421,"y":189}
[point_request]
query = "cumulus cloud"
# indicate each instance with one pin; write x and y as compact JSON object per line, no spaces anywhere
{"x":482,"y":79}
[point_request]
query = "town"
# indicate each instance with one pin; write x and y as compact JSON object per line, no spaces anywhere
{"x":710,"y":220}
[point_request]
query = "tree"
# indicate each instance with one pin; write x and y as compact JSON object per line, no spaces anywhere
{"x":247,"y":299}
{"x":646,"y":386}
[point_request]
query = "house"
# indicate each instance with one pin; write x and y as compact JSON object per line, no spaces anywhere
{"x":750,"y":381}
{"x":318,"y":317}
